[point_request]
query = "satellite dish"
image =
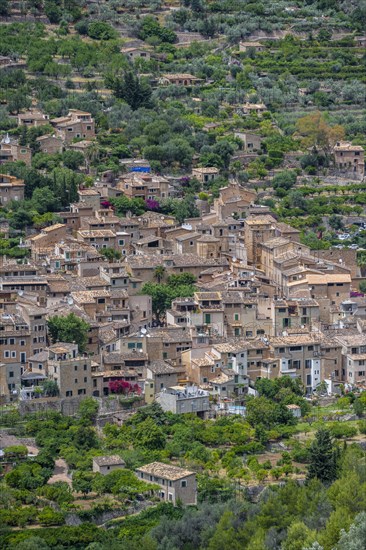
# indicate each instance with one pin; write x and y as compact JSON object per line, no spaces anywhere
{"x":70,"y":301}
{"x":284,"y":333}
{"x":20,"y":292}
{"x":143,"y":331}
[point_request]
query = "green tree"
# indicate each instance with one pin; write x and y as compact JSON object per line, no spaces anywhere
{"x":82,"y":482}
{"x":159,"y":273}
{"x":134,"y":91}
{"x":72,"y":159}
{"x":162,"y":294}
{"x":50,"y":388}
{"x":44,"y":200}
{"x":355,"y":538}
{"x":284,"y":180}
{"x":32,"y":543}
{"x":4,"y":7}
{"x":323,"y":458}
{"x":88,"y":410}
{"x":68,"y":329}
{"x":149,"y":435}
{"x":111,"y":254}
{"x":99,"y":30}
{"x":315,"y":132}
{"x":48,"y":516}
{"x":225,"y":534}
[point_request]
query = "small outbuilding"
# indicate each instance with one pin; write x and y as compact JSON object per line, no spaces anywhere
{"x":295,"y":410}
{"x":106,"y":464}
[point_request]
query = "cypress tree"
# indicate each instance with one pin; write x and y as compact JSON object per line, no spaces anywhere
{"x":323,"y":458}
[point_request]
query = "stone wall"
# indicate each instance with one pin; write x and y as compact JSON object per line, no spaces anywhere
{"x":68,"y":406}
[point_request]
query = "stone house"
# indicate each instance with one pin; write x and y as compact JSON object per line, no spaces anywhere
{"x":11,"y":189}
{"x":205,"y":175}
{"x":163,"y":374}
{"x":135,"y":53}
{"x":11,"y":151}
{"x":70,"y":370}
{"x":251,"y":142}
{"x":77,"y":124}
{"x":33,"y":118}
{"x":176,"y":484}
{"x":106,"y":464}
{"x":234,"y":199}
{"x":183,"y":79}
{"x":48,"y":237}
{"x":350,"y":159}
{"x":184,"y":399}
{"x":23,"y":333}
{"x":354,"y":357}
{"x":50,"y":144}
{"x":99,"y":238}
{"x":256,"y":108}
{"x":257,"y":46}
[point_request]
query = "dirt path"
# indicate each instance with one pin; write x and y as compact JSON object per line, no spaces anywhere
{"x":60,"y":472}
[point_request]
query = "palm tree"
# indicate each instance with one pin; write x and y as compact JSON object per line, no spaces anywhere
{"x":159,"y":273}
{"x":361,"y":262}
{"x":91,"y":154}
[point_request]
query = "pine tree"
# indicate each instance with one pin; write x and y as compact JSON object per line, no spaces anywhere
{"x":323,"y":458}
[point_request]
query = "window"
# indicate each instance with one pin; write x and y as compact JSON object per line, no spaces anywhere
{"x":310,"y":348}
{"x":11,"y":374}
{"x":69,"y":393}
{"x":295,"y":348}
{"x":207,"y":318}
{"x":76,"y":381}
{"x":281,"y":350}
{"x":236,"y":316}
{"x":307,"y":363}
{"x":85,"y":367}
{"x":131,"y":345}
{"x":75,"y":367}
{"x":183,"y":483}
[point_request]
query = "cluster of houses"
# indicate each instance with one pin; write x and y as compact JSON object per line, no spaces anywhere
{"x":75,"y":131}
{"x":265,"y":305}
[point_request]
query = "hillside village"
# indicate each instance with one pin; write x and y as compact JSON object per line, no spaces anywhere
{"x":182,"y":274}
{"x":258,"y":293}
